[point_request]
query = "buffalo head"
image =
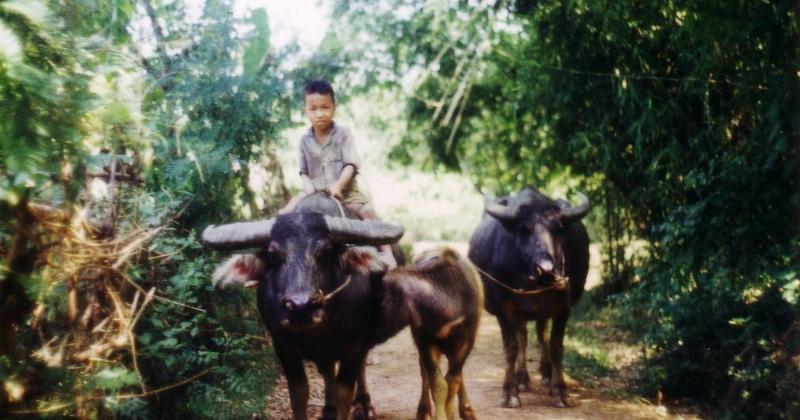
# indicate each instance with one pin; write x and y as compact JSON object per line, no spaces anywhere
{"x":538,"y":226}
{"x":302,"y":261}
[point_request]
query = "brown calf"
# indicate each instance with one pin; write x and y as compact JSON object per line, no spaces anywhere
{"x":440,"y":297}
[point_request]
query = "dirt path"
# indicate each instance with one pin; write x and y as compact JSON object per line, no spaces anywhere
{"x":394,"y":382}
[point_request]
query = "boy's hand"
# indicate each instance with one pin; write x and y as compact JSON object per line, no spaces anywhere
{"x":335,"y":191}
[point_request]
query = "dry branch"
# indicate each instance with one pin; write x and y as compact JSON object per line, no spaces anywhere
{"x":103,"y":303}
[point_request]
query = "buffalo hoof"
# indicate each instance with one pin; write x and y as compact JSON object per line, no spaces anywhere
{"x":363,"y":412}
{"x":523,"y":381}
{"x":421,"y":415}
{"x":328,"y":413}
{"x":466,"y":412}
{"x":561,"y":400}
{"x":510,"y":401}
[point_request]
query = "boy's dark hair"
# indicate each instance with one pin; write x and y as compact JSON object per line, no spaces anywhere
{"x":321,"y":87}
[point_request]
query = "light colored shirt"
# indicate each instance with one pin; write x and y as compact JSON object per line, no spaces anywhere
{"x":323,"y":163}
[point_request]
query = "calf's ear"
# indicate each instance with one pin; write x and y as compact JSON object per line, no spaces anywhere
{"x":240,"y":269}
{"x":363,"y":260}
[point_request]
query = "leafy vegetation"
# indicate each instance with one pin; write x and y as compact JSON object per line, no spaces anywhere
{"x":106,"y":305}
{"x":679,"y":119}
{"x":137,"y":123}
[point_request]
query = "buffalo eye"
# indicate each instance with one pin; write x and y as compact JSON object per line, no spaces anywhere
{"x":557,"y":227}
{"x":275,"y":254}
{"x":323,"y":248}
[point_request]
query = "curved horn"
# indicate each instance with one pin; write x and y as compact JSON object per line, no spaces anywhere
{"x":238,"y":235}
{"x":502,"y":212}
{"x":575,"y":213}
{"x":363,"y":232}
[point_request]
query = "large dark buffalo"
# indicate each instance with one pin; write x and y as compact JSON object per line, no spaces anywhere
{"x":539,"y":248}
{"x":319,"y":300}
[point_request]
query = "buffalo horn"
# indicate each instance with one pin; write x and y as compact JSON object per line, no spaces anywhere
{"x":502,"y":212}
{"x":238,"y":235}
{"x":363,"y":232}
{"x":575,"y":213}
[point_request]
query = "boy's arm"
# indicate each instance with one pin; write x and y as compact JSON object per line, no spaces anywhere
{"x":308,"y":187}
{"x":350,"y":161}
{"x":347,"y":174}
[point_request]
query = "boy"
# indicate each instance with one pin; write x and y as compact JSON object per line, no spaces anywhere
{"x":328,"y":158}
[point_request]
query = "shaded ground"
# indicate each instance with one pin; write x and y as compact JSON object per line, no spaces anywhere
{"x":394,"y":384}
{"x":394,"y":381}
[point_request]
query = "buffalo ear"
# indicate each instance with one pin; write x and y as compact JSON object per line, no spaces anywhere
{"x":240,"y":269}
{"x":362,"y":260}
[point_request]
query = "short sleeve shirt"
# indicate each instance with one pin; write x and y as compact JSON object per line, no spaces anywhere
{"x":323,"y":163}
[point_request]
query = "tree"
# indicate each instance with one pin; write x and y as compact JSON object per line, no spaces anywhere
{"x":98,"y":319}
{"x":677,"y":118}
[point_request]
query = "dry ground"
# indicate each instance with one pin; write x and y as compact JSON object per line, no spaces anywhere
{"x":394,"y":382}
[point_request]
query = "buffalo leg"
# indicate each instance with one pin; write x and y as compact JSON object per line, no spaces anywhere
{"x":510,"y":397}
{"x":523,"y":378}
{"x":438,"y":384}
{"x":557,"y":357}
{"x":465,"y":410}
{"x":428,"y":371}
{"x":344,"y":386}
{"x":455,"y":381}
{"x":328,"y":372}
{"x":543,"y":337}
{"x":363,"y":409}
{"x":298,"y":384}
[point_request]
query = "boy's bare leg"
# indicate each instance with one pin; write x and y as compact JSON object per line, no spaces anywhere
{"x":365,"y":212}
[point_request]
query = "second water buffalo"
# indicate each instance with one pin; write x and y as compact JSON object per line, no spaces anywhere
{"x":533,"y":256}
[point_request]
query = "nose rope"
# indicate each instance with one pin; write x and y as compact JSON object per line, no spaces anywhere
{"x":321,"y":298}
{"x":562,"y":283}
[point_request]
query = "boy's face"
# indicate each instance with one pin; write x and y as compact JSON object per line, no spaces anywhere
{"x":319,"y":110}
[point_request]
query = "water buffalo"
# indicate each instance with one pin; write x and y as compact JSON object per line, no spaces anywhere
{"x":533,"y":256}
{"x":318,"y":301}
{"x":440,"y":297}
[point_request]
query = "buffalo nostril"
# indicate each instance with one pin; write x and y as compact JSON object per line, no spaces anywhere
{"x":316,"y":318}
{"x":544,"y":267}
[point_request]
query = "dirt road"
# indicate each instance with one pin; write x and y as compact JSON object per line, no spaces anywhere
{"x":394,"y":385}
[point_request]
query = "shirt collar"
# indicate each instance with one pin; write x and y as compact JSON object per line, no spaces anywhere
{"x":334,"y":128}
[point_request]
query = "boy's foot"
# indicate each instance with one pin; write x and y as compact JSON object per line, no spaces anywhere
{"x":388,"y":258}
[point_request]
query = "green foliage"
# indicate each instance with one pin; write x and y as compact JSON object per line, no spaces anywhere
{"x":72,"y":82}
{"x":677,"y":118}
{"x":256,"y":52}
{"x":42,"y":96}
{"x":212,"y":120}
{"x":178,"y":341}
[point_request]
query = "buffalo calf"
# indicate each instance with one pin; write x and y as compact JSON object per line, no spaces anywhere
{"x":440,"y":297}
